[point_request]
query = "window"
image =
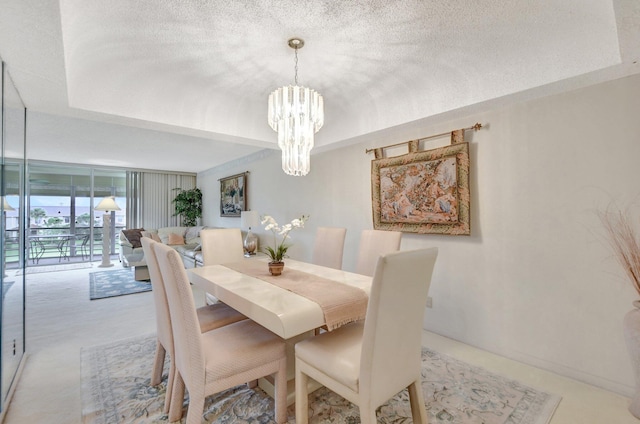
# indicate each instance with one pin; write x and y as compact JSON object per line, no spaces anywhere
{"x":62,"y":223}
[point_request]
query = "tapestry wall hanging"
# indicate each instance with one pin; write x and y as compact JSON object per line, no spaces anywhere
{"x":425,"y":192}
{"x":233,"y":195}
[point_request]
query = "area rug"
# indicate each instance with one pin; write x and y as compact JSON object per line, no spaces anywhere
{"x":115,"y":389}
{"x":120,"y":282}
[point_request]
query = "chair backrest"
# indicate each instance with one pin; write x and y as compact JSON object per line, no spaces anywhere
{"x":391,"y":343}
{"x":373,"y":244}
{"x":189,"y":355}
{"x":328,"y":247}
{"x":221,"y":245}
{"x":163,"y":322}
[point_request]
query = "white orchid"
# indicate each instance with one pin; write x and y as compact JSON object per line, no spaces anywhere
{"x":279,"y":250}
{"x":285,"y":229}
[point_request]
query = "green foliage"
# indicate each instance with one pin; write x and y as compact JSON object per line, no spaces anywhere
{"x":37,"y":214}
{"x":188,"y":204}
{"x":84,"y":219}
{"x":278,"y":254}
{"x":55,"y":222}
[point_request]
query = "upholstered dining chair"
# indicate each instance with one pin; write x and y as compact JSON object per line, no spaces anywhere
{"x":328,"y":247}
{"x":208,"y":363}
{"x":374,"y":243}
{"x":209,"y":317}
{"x":219,"y":246}
{"x":369,"y":362}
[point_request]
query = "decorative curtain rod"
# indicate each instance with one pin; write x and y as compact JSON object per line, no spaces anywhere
{"x":476,"y":127}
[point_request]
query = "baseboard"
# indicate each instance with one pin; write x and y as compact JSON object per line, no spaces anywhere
{"x":575,"y":374}
{"x":549,"y":366}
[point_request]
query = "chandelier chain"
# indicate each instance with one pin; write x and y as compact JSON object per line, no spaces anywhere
{"x":296,"y":65}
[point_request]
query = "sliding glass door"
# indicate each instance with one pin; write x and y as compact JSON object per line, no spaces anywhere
{"x":63,"y":226}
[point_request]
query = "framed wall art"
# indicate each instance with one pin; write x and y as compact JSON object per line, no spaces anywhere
{"x":423,"y":192}
{"x":233,"y":195}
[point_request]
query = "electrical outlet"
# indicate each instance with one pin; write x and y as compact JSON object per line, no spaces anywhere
{"x":429,"y":302}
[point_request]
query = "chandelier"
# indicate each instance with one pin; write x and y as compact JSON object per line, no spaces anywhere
{"x":296,"y":113}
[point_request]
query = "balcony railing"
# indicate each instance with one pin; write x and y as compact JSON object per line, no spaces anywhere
{"x":48,"y":245}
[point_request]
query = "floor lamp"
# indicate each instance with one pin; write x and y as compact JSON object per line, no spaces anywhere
{"x":107,"y":205}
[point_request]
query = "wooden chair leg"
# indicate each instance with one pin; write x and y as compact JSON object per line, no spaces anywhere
{"x":281,"y":393}
{"x":170,"y":380}
{"x":158,"y":364}
{"x":368,"y":416}
{"x":418,"y":410}
{"x":177,"y":397}
{"x":196,"y":408}
{"x":302,"y":397}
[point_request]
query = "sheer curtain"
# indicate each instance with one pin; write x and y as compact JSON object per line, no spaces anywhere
{"x":150,"y":195}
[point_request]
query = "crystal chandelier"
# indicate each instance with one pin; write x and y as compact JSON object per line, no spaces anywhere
{"x":296,"y":113}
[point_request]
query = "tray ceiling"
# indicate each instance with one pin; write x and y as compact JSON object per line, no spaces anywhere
{"x":202,"y":71}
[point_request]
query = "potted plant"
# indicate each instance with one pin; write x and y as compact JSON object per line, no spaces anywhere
{"x":279,"y":250}
{"x":624,"y":241}
{"x":188,"y":204}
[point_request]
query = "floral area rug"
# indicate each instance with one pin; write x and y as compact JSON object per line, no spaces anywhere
{"x":120,"y":282}
{"x":115,"y":389}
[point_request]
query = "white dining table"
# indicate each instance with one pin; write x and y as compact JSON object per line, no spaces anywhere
{"x":287,"y":314}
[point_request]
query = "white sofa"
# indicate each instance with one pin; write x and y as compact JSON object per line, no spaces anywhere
{"x":186,"y":241}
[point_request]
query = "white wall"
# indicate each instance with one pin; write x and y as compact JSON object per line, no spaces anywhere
{"x":535,"y":281}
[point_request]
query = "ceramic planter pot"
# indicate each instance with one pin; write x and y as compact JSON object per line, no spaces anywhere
{"x":275,"y":268}
{"x":631,"y":327}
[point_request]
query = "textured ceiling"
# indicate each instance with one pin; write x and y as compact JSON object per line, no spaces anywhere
{"x":202,"y":71}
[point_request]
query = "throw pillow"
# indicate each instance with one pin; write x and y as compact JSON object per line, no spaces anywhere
{"x":153,"y":236}
{"x":175,"y":239}
{"x":193,"y":232}
{"x":133,"y":235}
{"x":163,"y":232}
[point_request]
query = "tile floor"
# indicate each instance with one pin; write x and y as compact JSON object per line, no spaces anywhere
{"x":61,"y":319}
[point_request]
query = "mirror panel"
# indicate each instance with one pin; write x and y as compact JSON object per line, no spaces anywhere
{"x":12,"y":328}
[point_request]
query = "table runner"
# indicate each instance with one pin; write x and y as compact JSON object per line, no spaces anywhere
{"x":340,"y":303}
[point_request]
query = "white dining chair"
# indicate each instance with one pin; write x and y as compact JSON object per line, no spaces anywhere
{"x":328,"y":247}
{"x":209,"y":317}
{"x":369,"y":362}
{"x":208,"y":363}
{"x":219,"y":246}
{"x":374,"y":243}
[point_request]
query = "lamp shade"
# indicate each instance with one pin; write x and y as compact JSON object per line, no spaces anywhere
{"x":249,"y":219}
{"x":108,"y":204}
